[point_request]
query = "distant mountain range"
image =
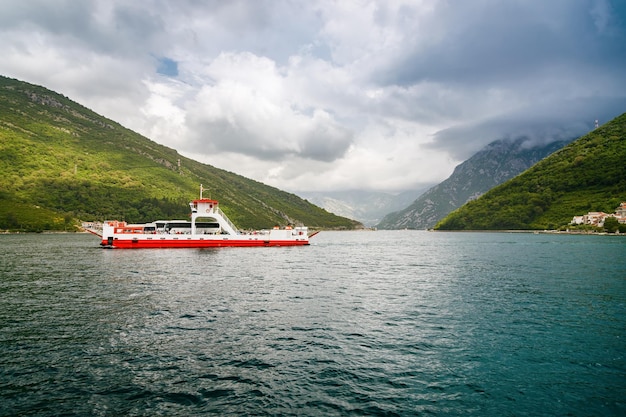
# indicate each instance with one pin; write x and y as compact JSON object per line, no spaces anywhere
{"x":493,"y":165}
{"x":589,"y":174}
{"x":368,"y":207}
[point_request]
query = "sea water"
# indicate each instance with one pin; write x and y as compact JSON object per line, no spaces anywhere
{"x":359,"y":323}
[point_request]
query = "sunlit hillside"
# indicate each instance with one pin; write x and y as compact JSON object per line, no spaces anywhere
{"x":62,"y":163}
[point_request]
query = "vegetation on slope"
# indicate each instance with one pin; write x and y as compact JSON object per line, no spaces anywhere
{"x":587,"y":175}
{"x":61,"y":162}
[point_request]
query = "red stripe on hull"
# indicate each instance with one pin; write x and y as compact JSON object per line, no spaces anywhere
{"x":162,"y":244}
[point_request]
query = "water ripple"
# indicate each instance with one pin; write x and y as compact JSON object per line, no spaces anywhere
{"x":384,"y":323}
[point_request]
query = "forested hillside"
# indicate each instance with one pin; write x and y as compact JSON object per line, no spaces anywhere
{"x":61,"y":163}
{"x":587,"y":175}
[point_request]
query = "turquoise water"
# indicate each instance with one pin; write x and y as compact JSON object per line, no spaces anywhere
{"x":358,"y":323}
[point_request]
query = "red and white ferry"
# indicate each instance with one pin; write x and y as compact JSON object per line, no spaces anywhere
{"x":209,"y":227}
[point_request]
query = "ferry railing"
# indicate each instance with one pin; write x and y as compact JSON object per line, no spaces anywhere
{"x":225,"y":217}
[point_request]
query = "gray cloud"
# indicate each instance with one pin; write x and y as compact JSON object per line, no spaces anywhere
{"x":490,"y":43}
{"x":540,"y":124}
{"x":269,"y":134}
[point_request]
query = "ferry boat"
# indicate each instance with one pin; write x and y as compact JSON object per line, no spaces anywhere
{"x":209,"y":227}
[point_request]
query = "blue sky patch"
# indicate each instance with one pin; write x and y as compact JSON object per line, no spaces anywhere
{"x":167,"y":67}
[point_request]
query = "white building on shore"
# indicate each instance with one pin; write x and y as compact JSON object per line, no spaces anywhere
{"x":596,"y":218}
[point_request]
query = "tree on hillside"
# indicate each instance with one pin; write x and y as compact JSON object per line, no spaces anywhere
{"x":611,"y":224}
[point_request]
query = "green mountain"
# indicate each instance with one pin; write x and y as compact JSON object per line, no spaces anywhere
{"x":61,"y":163}
{"x":587,"y":175}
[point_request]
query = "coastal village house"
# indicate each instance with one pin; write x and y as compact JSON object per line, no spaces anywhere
{"x":596,"y":218}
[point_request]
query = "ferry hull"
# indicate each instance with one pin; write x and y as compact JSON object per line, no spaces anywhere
{"x":197,"y":243}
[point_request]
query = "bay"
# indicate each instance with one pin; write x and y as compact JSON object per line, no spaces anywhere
{"x":358,"y":323}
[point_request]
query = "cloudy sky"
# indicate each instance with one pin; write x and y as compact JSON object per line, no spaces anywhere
{"x":316,"y":95}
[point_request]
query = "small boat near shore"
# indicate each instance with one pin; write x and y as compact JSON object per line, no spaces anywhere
{"x":209,"y":227}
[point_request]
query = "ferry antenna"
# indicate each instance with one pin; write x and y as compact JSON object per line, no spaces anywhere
{"x":201,"y":190}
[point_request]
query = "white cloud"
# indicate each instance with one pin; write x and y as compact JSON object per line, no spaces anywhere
{"x":249,"y":111}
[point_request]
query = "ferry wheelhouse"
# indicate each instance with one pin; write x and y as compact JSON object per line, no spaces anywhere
{"x":208,"y":227}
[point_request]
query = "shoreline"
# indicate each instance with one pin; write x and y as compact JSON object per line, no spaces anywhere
{"x":536,"y":232}
{"x":529,"y":231}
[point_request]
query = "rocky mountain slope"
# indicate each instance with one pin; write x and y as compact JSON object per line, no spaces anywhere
{"x":493,"y":165}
